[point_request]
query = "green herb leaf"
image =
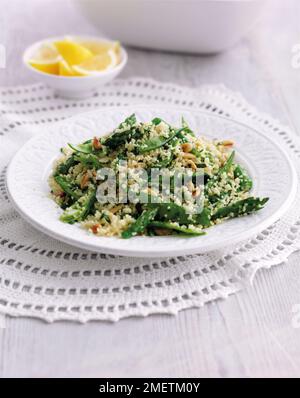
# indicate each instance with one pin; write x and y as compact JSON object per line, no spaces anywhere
{"x":156,"y":121}
{"x":155,"y":143}
{"x":227,"y":165}
{"x":117,"y":138}
{"x":83,"y":148}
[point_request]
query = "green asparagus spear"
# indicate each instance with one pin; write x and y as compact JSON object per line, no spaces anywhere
{"x":89,"y":204}
{"x":66,"y":187}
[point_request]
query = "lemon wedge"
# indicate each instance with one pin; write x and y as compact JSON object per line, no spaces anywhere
{"x":64,"y":69}
{"x":46,"y":59}
{"x":76,"y":57}
{"x":97,"y":64}
{"x":72,"y":53}
{"x":99,"y":47}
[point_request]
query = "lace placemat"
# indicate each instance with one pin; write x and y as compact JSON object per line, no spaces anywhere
{"x":44,"y":278}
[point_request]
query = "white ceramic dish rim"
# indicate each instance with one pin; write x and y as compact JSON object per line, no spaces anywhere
{"x":30,"y":50}
{"x":173,"y":250}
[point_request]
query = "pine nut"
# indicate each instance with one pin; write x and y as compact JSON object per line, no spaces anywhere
{"x":96,"y":143}
{"x":84,"y":181}
{"x":227,"y":143}
{"x":189,"y":156}
{"x":190,"y":186}
{"x":187,"y":147}
{"x":196,"y":192}
{"x":95,"y":228}
{"x":191,"y":164}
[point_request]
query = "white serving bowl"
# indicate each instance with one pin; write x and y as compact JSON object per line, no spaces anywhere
{"x":196,"y":26}
{"x":73,"y":87}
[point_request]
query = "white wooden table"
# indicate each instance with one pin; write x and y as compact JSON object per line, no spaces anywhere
{"x":249,"y":334}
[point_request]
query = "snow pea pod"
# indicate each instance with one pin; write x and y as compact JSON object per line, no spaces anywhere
{"x":178,"y":228}
{"x":241,"y":207}
{"x":140,"y":224}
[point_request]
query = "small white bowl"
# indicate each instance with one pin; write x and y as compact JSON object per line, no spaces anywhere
{"x":74,"y":87}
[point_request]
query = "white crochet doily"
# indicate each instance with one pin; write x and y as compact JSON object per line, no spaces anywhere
{"x":44,"y":278}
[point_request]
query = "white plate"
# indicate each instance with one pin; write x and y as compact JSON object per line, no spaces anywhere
{"x":269,"y":166}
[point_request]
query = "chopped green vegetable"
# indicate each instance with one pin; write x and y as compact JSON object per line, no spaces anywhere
{"x":124,"y":133}
{"x":63,"y":168}
{"x":175,"y":227}
{"x":241,"y":207}
{"x":156,"y":121}
{"x":140,"y":224}
{"x":203,"y":218}
{"x":67,"y":187}
{"x":89,"y":161}
{"x":155,"y":143}
{"x":245,"y":181}
{"x":170,"y":211}
{"x":79,"y":210}
{"x":72,"y":214}
{"x":89,"y":204}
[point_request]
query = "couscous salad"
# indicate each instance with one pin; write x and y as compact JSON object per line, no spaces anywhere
{"x":86,"y":182}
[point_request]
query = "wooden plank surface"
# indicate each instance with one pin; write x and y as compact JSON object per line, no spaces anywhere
{"x":249,"y":334}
